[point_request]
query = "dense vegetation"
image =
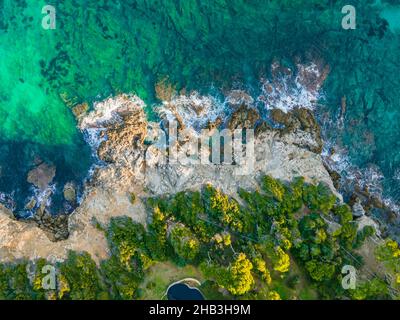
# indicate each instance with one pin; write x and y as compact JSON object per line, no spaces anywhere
{"x":281,"y":241}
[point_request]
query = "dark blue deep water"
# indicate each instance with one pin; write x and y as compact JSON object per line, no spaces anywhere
{"x":181,"y":291}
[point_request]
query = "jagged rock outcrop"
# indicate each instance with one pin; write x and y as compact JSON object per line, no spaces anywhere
{"x":122,"y":127}
{"x":133,"y":154}
{"x":282,"y":153}
{"x":123,"y":135}
{"x":302,"y":123}
{"x":358,"y":210}
{"x":244,"y":117}
{"x":55,"y":227}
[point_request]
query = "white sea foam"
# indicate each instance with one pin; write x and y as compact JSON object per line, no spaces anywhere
{"x":397,"y":175}
{"x":195,"y":110}
{"x":41,"y":197}
{"x":44,"y":196}
{"x":7,"y":200}
{"x":370,"y":178}
{"x":339,"y":160}
{"x":107,"y":110}
{"x":93,"y":137}
{"x":287,"y":91}
{"x":103,"y":113}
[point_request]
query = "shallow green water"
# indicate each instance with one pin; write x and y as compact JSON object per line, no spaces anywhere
{"x":104,"y":47}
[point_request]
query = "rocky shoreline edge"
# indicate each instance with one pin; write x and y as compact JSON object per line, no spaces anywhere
{"x":131,"y":165}
{"x":133,"y":170}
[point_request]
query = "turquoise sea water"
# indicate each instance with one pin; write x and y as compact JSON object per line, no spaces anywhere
{"x":100,"y":48}
{"x":392,"y":15}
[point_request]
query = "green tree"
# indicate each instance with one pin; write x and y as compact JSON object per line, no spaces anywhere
{"x":280,"y":260}
{"x":237,"y":278}
{"x":225,"y":210}
{"x":373,"y":289}
{"x":19,"y":280}
{"x":318,"y":198}
{"x":122,"y":283}
{"x":156,"y":238}
{"x":389,"y":254}
{"x":184,"y":243}
{"x":273,"y":188}
{"x":320,"y":271}
{"x":82,"y":276}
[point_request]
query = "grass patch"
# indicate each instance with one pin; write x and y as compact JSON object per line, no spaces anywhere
{"x":162,"y":274}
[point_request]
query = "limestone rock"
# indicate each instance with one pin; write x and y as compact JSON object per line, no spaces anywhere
{"x":282,"y":155}
{"x":123,"y":124}
{"x":122,"y":137}
{"x":54,"y":226}
{"x":244,"y":117}
{"x":358,"y":210}
{"x":138,"y":165}
{"x":302,"y":122}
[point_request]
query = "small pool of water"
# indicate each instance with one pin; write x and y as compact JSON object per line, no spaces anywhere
{"x":181,"y":291}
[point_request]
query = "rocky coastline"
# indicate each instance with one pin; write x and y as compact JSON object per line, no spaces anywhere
{"x":132,"y":150}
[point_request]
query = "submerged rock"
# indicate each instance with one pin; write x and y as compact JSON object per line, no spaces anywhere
{"x":80,"y":109}
{"x":70,"y":192}
{"x":31,"y":204}
{"x":42,"y":175}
